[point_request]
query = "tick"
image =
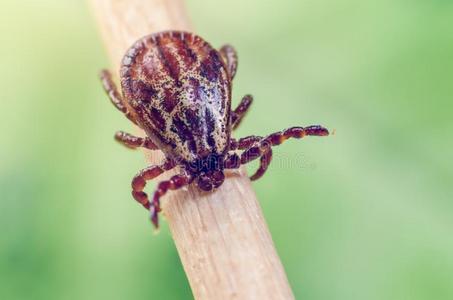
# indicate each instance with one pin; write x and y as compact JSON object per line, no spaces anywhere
{"x":177,"y":88}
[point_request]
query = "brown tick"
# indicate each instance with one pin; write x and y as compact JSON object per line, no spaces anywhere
{"x":177,"y":88}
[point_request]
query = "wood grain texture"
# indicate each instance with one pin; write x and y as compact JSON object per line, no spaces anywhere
{"x":222,"y":238}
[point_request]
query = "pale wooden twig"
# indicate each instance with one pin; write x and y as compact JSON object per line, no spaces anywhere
{"x":222,"y":238}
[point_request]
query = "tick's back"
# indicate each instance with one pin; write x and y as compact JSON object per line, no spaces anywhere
{"x":179,"y":91}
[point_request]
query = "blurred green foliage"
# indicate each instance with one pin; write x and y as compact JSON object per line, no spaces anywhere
{"x":364,"y":214}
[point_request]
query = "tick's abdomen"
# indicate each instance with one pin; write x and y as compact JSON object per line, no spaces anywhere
{"x":177,"y":87}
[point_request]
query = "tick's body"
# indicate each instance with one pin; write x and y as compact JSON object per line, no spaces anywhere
{"x":179,"y":92}
{"x":177,"y":88}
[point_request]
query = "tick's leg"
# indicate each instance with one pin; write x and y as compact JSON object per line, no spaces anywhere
{"x":233,"y":161}
{"x":265,"y":161}
{"x":174,"y":183}
{"x":134,"y":142}
{"x":240,"y":111}
{"x":230,"y":57}
{"x":111,"y":90}
{"x":244,"y":143}
{"x":262,"y":148}
{"x":139,"y":181}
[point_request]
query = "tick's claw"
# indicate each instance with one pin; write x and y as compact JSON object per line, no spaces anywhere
{"x":154,"y":217}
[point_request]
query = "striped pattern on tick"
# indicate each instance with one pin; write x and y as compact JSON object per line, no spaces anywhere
{"x":179,"y":91}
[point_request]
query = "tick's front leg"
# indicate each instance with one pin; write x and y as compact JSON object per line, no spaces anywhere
{"x":244,"y":143}
{"x":263,"y":147}
{"x":233,"y":161}
{"x":240,"y":111}
{"x":134,"y":142}
{"x":230,"y":57}
{"x":265,"y":161}
{"x":174,"y":183}
{"x":139,"y":181}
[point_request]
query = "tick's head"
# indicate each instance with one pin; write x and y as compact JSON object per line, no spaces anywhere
{"x":210,"y":180}
{"x":208,"y":171}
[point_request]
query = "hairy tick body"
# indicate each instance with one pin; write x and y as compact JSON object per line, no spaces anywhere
{"x":177,"y":88}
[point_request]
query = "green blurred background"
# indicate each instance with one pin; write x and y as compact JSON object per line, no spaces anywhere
{"x":364,"y":214}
